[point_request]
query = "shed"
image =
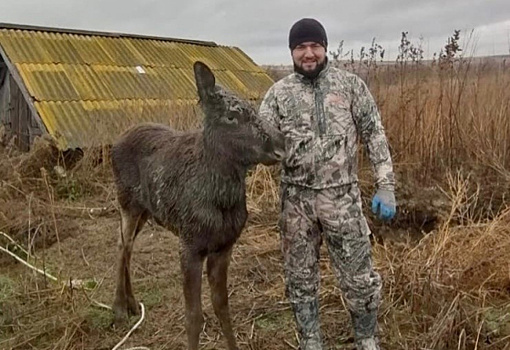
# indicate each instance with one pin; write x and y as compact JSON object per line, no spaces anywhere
{"x":85,"y":87}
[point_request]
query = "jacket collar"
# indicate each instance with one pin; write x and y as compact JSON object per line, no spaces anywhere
{"x":318,"y":78}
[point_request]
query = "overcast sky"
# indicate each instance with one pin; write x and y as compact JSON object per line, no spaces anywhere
{"x":260,"y":28}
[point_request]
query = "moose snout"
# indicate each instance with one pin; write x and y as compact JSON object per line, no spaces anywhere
{"x":274,"y":144}
{"x":279,"y":154}
{"x":279,"y":146}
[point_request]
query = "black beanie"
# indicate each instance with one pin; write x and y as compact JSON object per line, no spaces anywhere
{"x":307,"y":29}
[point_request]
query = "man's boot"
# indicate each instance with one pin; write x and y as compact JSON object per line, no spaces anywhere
{"x":371,"y":343}
{"x":307,"y":320}
{"x":365,"y":326}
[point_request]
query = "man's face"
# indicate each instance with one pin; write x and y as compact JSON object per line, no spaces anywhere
{"x":309,"y":56}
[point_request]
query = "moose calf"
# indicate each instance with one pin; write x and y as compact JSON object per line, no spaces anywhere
{"x":192,"y":183}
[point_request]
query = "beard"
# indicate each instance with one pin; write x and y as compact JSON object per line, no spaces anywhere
{"x":311,"y":74}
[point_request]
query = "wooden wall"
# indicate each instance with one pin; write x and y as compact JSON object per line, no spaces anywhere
{"x":15,"y":116}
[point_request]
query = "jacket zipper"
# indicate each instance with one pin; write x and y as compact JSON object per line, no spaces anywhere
{"x":319,"y":108}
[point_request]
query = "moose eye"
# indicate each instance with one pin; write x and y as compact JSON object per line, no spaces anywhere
{"x":231,"y":119}
{"x":234,"y":114}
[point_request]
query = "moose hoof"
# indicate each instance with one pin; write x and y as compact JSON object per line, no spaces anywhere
{"x":120,"y":319}
{"x":133,"y":307}
{"x":120,"y":314}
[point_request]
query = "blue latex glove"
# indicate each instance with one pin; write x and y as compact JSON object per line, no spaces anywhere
{"x":384,"y":205}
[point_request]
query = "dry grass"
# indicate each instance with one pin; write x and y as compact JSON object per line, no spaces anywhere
{"x":448,"y":289}
{"x":439,"y":119}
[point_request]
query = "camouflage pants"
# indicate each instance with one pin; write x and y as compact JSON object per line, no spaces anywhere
{"x":334,"y":214}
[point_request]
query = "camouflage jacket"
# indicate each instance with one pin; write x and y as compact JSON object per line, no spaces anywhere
{"x":322,"y":121}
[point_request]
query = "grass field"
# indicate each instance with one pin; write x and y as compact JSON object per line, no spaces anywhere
{"x":445,"y":259}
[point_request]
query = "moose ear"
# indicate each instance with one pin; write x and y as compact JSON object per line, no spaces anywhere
{"x":205,"y":80}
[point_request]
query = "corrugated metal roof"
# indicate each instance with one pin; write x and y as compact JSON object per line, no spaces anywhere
{"x":87,"y":86}
{"x":76,"y":124}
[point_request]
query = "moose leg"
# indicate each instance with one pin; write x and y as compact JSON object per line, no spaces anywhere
{"x":191,"y":267}
{"x":217,"y":271}
{"x":125,"y":302}
{"x":133,"y":307}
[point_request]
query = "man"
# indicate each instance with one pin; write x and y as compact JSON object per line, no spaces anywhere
{"x":322,"y":111}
